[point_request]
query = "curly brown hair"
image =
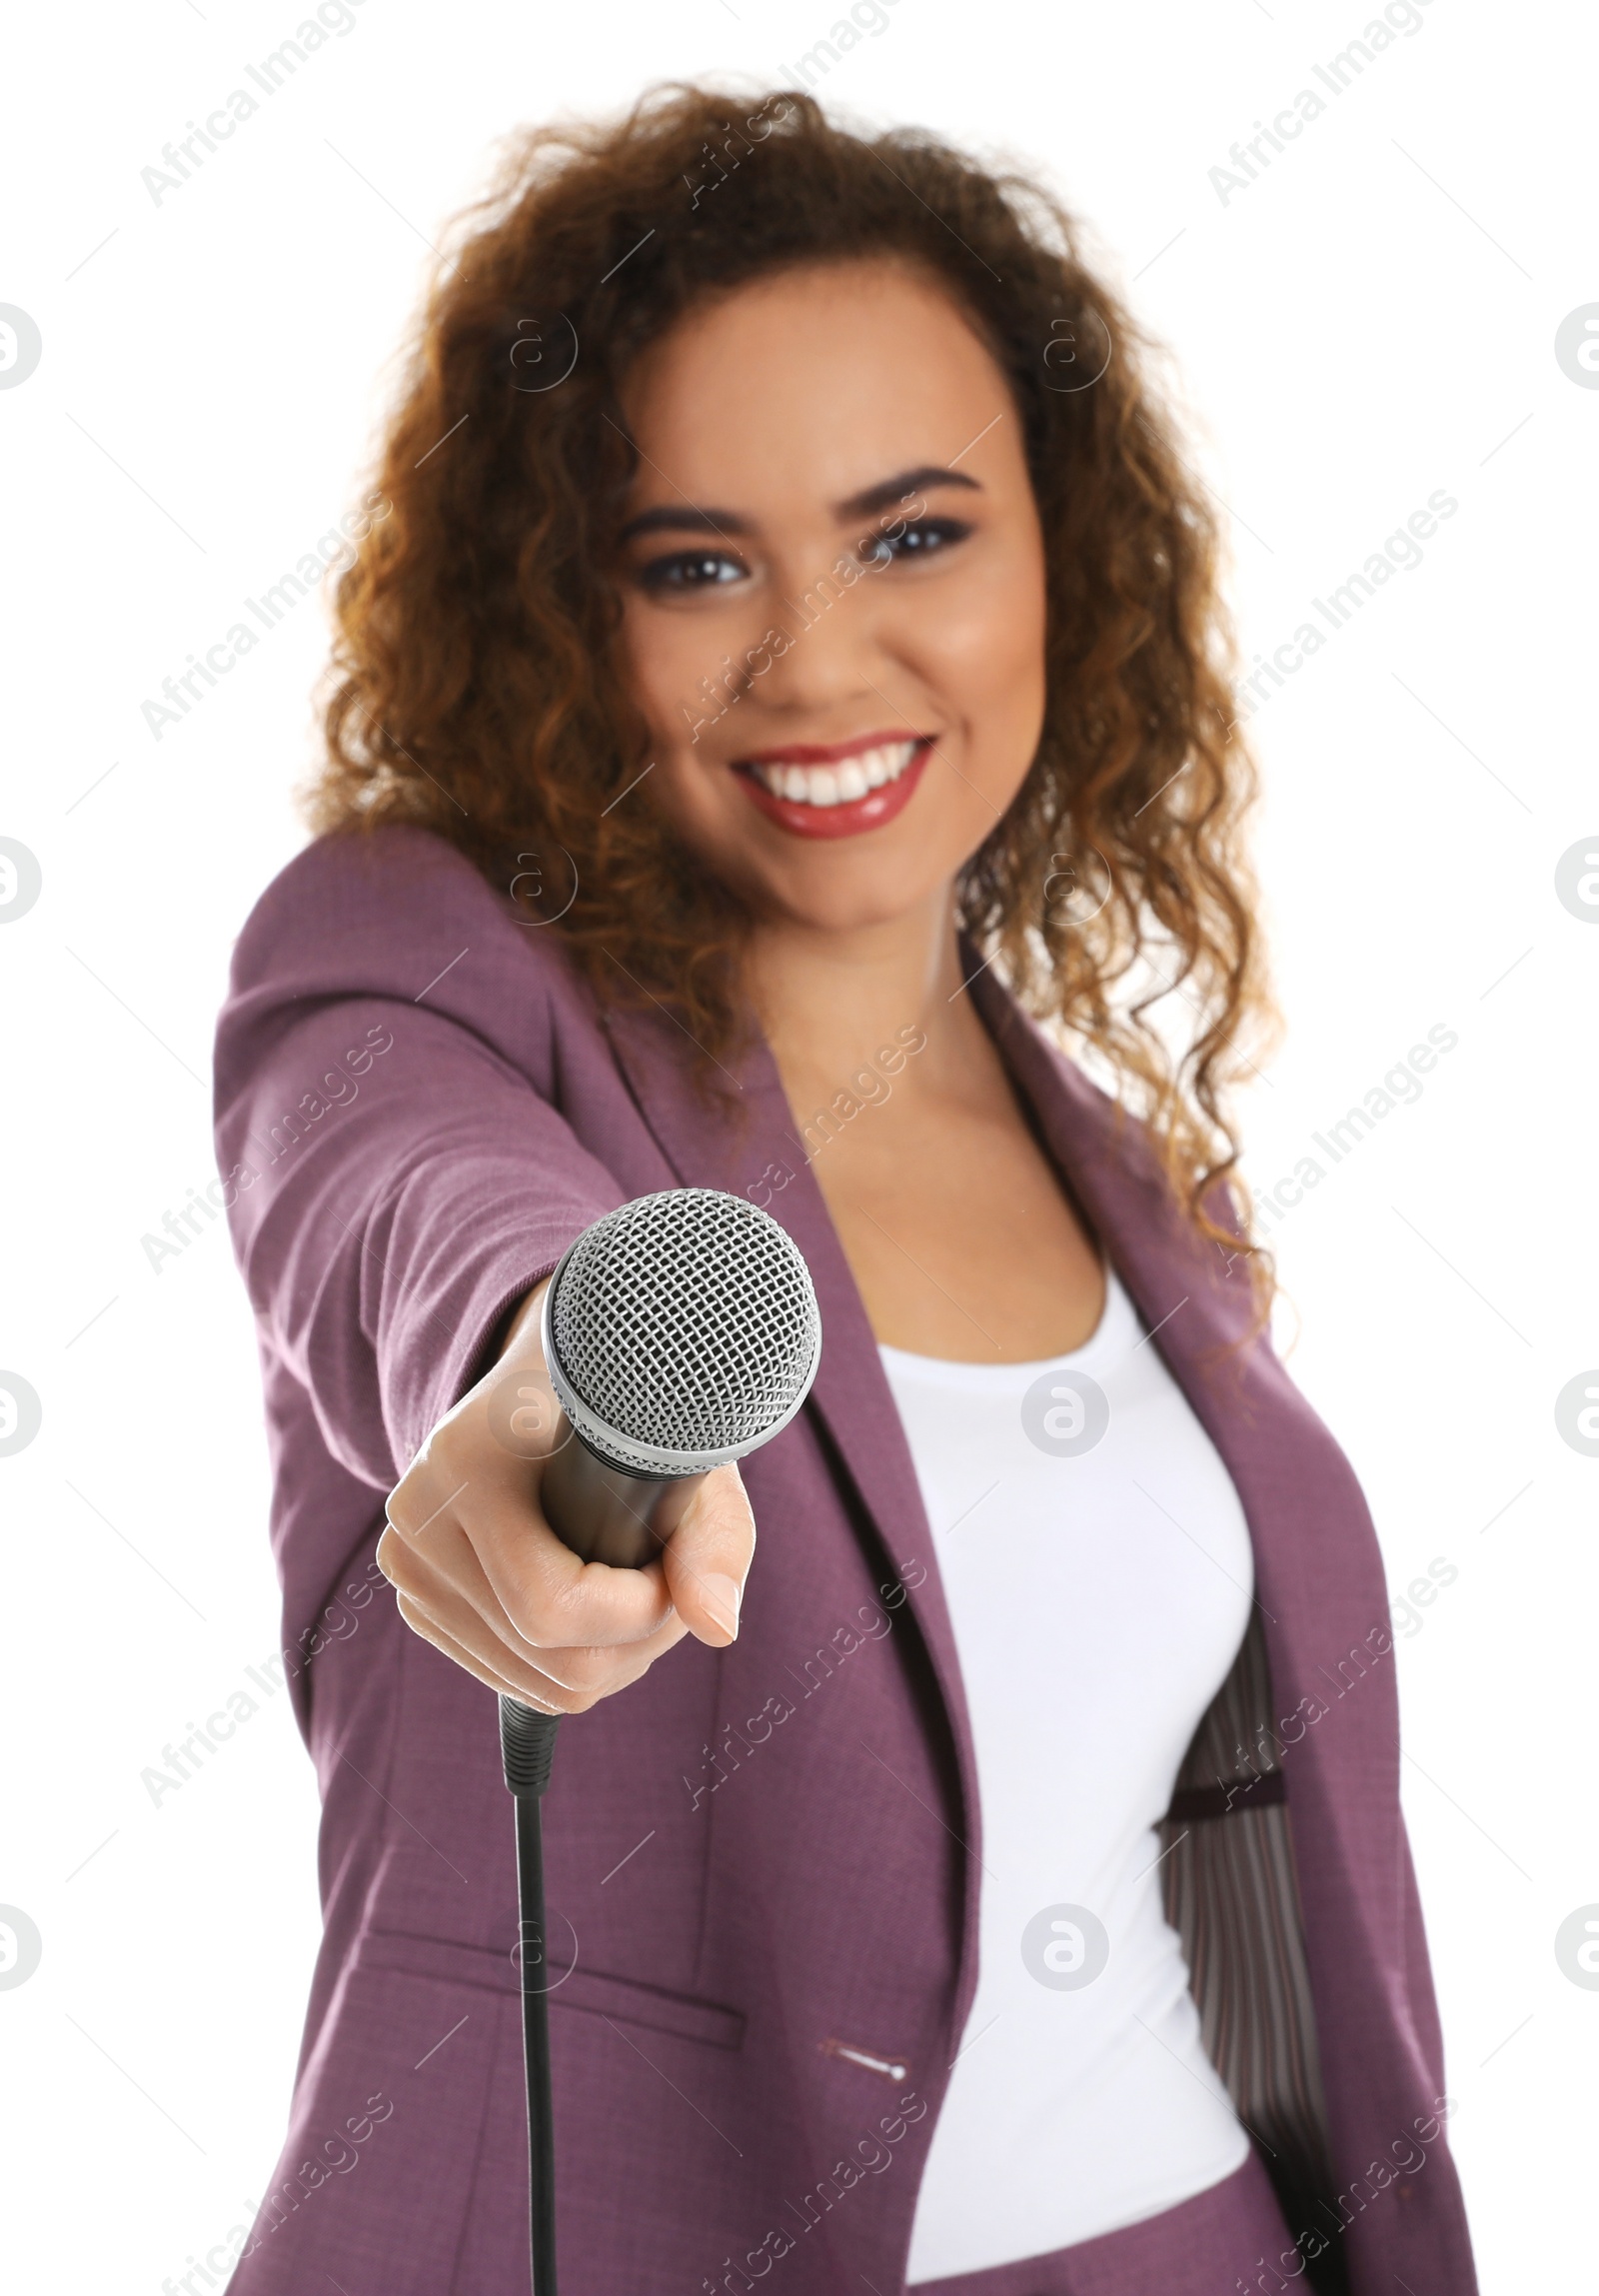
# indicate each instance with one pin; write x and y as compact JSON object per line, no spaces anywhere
{"x":477,"y":681}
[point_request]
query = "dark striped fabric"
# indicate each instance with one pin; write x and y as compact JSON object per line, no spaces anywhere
{"x":1231,"y":1895}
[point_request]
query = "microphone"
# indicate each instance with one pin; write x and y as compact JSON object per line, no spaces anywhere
{"x":681,"y":1333}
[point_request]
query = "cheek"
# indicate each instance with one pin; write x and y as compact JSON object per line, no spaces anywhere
{"x":687,"y":790}
{"x":669,"y":660}
{"x":995,"y":650}
{"x":982,"y":649}
{"x":656,"y":655}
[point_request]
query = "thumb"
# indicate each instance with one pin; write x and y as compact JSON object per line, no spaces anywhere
{"x":709,"y":1536}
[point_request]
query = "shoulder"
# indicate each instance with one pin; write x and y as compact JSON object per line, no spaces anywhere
{"x":399,"y":913}
{"x":378,"y":904}
{"x":370,"y":888}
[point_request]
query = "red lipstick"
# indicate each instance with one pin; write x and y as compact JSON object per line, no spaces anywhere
{"x":852,"y":816}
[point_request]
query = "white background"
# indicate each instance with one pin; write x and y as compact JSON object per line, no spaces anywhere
{"x":1369,"y":321}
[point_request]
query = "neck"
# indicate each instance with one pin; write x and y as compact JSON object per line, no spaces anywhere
{"x":828,"y":999}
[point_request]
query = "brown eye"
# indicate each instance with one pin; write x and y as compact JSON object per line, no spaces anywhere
{"x":690,"y":569}
{"x":926,"y":539}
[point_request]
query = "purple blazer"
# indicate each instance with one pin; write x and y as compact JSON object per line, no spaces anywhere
{"x":761,"y":1861}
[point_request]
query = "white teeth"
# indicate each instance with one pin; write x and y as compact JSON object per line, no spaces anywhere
{"x":842,"y":783}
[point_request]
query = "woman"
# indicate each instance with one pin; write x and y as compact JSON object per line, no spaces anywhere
{"x":788,"y":666}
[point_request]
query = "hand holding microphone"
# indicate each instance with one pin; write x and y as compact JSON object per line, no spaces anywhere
{"x":679,"y":1333}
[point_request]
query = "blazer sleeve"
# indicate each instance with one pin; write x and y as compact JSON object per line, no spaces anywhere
{"x":396,"y":1168}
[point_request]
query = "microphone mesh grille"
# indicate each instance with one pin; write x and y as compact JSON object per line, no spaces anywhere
{"x":686,"y":1320}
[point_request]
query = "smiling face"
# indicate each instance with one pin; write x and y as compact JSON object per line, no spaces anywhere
{"x":834,"y":589}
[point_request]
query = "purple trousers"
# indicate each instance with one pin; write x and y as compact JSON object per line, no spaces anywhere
{"x":1230,"y":2238}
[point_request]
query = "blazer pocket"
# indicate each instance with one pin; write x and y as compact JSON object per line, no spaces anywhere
{"x":592,"y":1992}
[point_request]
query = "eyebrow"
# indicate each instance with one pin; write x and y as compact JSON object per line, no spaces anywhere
{"x":688,"y":518}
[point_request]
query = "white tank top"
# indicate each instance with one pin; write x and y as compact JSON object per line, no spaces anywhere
{"x":1098,"y":1573}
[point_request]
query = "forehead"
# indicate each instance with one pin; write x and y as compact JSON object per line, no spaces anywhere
{"x":807,"y":385}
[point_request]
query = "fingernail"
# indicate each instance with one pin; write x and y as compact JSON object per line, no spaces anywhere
{"x":721,"y":1596}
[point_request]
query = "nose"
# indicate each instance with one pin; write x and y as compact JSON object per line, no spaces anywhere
{"x":829,"y":655}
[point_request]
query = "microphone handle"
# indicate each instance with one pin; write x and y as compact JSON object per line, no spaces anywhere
{"x":601,"y":1511}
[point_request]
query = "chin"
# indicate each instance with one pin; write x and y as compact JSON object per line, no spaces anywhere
{"x":845,"y":908}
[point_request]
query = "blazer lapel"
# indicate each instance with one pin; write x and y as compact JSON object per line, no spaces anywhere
{"x":1319,"y":1569}
{"x":753,"y":1149}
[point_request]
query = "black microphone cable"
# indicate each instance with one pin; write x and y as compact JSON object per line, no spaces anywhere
{"x":613,"y":1507}
{"x":527,"y":1748}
